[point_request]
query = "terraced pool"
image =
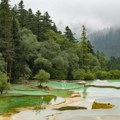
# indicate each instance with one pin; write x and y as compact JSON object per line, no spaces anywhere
{"x":10,"y":103}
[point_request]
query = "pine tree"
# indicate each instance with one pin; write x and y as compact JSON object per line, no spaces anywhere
{"x":90,"y":48}
{"x":69,"y":34}
{"x":6,"y":43}
{"x":16,"y":45}
{"x":30,"y":21}
{"x":38,"y":25}
{"x":47,"y":21}
{"x":54,"y":28}
{"x":84,"y":48}
{"x":22,"y":14}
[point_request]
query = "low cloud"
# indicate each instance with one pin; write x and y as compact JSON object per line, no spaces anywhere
{"x":95,"y":14}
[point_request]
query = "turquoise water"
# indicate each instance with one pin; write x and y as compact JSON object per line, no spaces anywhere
{"x":33,"y":97}
{"x":10,"y":103}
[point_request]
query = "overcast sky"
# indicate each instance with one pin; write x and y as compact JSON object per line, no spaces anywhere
{"x":95,"y":14}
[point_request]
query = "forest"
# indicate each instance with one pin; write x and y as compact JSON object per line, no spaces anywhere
{"x":107,"y":40}
{"x":32,"y":47}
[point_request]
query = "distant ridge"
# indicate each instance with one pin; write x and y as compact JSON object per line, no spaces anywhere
{"x":107,"y":41}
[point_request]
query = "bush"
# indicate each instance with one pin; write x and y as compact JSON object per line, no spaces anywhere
{"x":59,"y":74}
{"x":103,"y":75}
{"x":115,"y":74}
{"x":78,"y":74}
{"x":4,"y":85}
{"x":42,"y":76}
{"x":89,"y":76}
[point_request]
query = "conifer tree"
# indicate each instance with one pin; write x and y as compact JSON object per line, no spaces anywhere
{"x":47,"y":21}
{"x":38,"y":25}
{"x":22,"y":14}
{"x":84,"y":48}
{"x":30,"y":21}
{"x":16,"y":45}
{"x":54,"y":28}
{"x":69,"y":34}
{"x":6,"y":43}
{"x":90,"y":47}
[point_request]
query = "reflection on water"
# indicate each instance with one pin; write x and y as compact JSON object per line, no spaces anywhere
{"x":10,"y":103}
{"x":105,"y":95}
{"x":84,"y":92}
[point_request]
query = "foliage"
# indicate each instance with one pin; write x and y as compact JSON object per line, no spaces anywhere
{"x":6,"y":43}
{"x":30,"y":42}
{"x":42,"y":76}
{"x":4,"y":85}
{"x":113,"y":63}
{"x":107,"y":41}
{"x":78,"y":74}
{"x":89,"y":76}
{"x":102,"y":75}
{"x":115,"y":74}
{"x":2,"y":64}
{"x":69,"y":34}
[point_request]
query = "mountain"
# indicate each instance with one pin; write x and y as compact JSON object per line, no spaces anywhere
{"x":107,"y":41}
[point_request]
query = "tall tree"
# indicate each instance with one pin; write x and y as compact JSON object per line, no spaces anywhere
{"x":22,"y":14}
{"x":90,"y":48}
{"x":54,"y":28}
{"x":16,"y":44}
{"x":31,"y":21}
{"x":6,"y":43}
{"x":38,"y":25}
{"x":84,"y":48}
{"x":47,"y":21}
{"x":69,"y":34}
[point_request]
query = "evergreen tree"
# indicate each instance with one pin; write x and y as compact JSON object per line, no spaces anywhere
{"x":90,"y":47}
{"x":38,"y":25}
{"x":6,"y":43}
{"x":22,"y":14}
{"x":84,"y":49}
{"x":47,"y":21}
{"x":31,"y":21}
{"x":16,"y":45}
{"x":54,"y":28}
{"x":69,"y":34}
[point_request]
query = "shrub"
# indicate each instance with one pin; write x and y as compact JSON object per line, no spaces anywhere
{"x":103,"y":75}
{"x":78,"y":74}
{"x":42,"y":76}
{"x":4,"y":85}
{"x":59,"y":74}
{"x":115,"y":74}
{"x":89,"y":76}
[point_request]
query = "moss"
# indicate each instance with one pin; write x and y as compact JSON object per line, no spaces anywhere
{"x":96,"y":105}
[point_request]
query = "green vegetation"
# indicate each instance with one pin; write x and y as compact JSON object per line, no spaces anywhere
{"x":31,"y":46}
{"x":42,"y":76}
{"x":107,"y":41}
{"x":4,"y":85}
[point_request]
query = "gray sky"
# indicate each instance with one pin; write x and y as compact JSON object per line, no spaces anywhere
{"x":95,"y":14}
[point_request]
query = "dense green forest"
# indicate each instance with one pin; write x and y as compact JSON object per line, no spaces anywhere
{"x":107,"y":40}
{"x":30,"y":42}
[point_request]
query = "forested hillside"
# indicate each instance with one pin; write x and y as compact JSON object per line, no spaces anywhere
{"x":108,"y":41}
{"x":30,"y":43}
